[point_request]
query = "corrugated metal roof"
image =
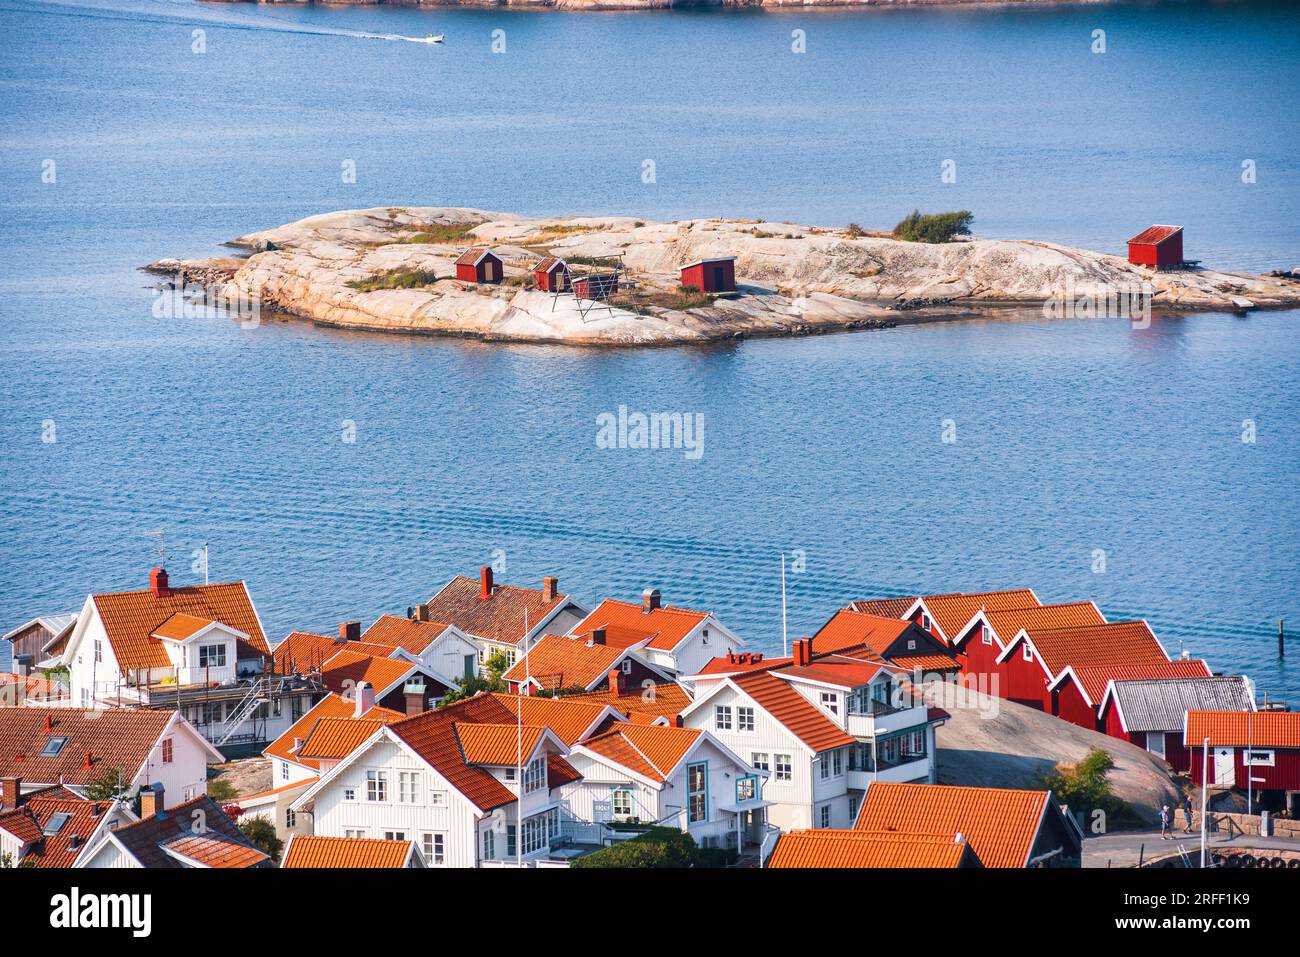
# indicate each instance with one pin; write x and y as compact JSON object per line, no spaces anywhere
{"x":1161,"y":704}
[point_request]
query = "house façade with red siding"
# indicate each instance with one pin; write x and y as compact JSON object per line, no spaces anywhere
{"x":1150,"y":712}
{"x":1264,"y":745}
{"x":982,"y":639}
{"x":1076,"y":693}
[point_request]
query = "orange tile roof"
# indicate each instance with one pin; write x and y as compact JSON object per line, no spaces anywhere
{"x":497,"y":744}
{"x":28,"y":821}
{"x":180,"y":626}
{"x":114,"y":738}
{"x":304,"y":651}
{"x":1094,"y":678}
{"x":1006,"y":623}
{"x":131,"y":617}
{"x":1130,"y":642}
{"x":661,"y":699}
{"x":850,"y":629}
{"x":500,"y":618}
{"x":216,"y":850}
{"x":332,"y":706}
{"x":333,"y":739}
{"x":737,"y":663}
{"x":565,"y":662}
{"x":432,"y":735}
{"x":1155,"y":235}
{"x":222,"y":844}
{"x":1241,"y":729}
{"x":347,"y":669}
{"x":654,"y":751}
{"x":884,"y":607}
{"x":626,"y":623}
{"x":1000,"y":824}
{"x":925,"y":663}
{"x":569,"y":717}
{"x":952,"y":612}
{"x":406,"y":633}
{"x":853,"y":849}
{"x":838,"y":670}
{"x":780,"y":699}
{"x":346,"y":852}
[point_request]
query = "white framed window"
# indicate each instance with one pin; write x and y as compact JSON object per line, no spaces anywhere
{"x":1156,"y":742}
{"x":1254,"y":757}
{"x":354,"y":832}
{"x":349,"y":794}
{"x":889,"y":749}
{"x":290,"y":818}
{"x":911,"y":644}
{"x":394,"y":835}
{"x":853,"y":809}
{"x":408,"y":786}
{"x":783,"y":767}
{"x":376,"y":785}
{"x":831,"y":702}
{"x":925,"y":621}
{"x":489,"y":845}
{"x":744,"y":718}
{"x":722,"y":717}
{"x":1026,"y":652}
{"x":284,"y":770}
{"x":760,"y":761}
{"x":986,"y":634}
{"x":212,"y":656}
{"x":535,"y":775}
{"x":837,"y":762}
{"x":826,"y":815}
{"x":621,"y":802}
{"x":627,"y":666}
{"x":99,"y":650}
{"x":434,"y":845}
{"x":438,"y":798}
{"x":825,"y":764}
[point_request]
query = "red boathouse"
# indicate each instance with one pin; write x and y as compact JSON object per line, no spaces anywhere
{"x":1160,"y":247}
{"x":1264,"y":745}
{"x":552,"y":275}
{"x":479,"y":264}
{"x":598,"y":286}
{"x":711,"y":275}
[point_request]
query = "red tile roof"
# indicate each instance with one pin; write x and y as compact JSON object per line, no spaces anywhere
{"x":345,"y":852}
{"x":565,"y":662}
{"x":780,"y":699}
{"x":1006,"y":623}
{"x":406,"y":633}
{"x":838,"y":670}
{"x":1000,"y":824}
{"x":884,"y":607}
{"x":1241,"y":729}
{"x":853,"y":849}
{"x":347,"y":669}
{"x":114,"y":738}
{"x":664,"y":699}
{"x":471,"y":256}
{"x":28,"y":821}
{"x":304,"y":651}
{"x":738,"y":663}
{"x":333,"y":739}
{"x":1094,"y":678}
{"x":1155,"y":235}
{"x":626,"y":623}
{"x":197,"y":829}
{"x":1130,"y":642}
{"x":497,"y":744}
{"x":131,"y":617}
{"x":500,"y":618}
{"x":653,"y":751}
{"x":851,"y":629}
{"x":180,"y":626}
{"x":953,"y":611}
{"x":331,"y":707}
{"x":569,"y":717}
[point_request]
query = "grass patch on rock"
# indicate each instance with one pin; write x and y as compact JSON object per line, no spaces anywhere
{"x":401,"y":278}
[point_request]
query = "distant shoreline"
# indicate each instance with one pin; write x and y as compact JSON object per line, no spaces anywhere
{"x":617,"y":6}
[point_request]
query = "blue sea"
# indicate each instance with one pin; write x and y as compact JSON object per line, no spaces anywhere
{"x":1156,"y":471}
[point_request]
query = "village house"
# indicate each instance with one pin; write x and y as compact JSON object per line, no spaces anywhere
{"x":193,"y":834}
{"x":30,"y":646}
{"x":1151,"y":713}
{"x":578,"y":664}
{"x":353,"y":853}
{"x":902,"y":643}
{"x":78,"y":747}
{"x":443,"y":650}
{"x":1076,"y":693}
{"x":52,"y":827}
{"x":650,"y":702}
{"x":675,"y":777}
{"x":823,"y":728}
{"x":856,"y":849}
{"x":987,"y":633}
{"x":944,"y":616}
{"x":1255,"y":749}
{"x":198,"y":649}
{"x":397,"y":683}
{"x":1005,"y":827}
{"x":677,"y":641}
{"x":504,"y":619}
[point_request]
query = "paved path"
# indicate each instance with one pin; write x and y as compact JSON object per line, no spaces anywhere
{"x":1122,"y":849}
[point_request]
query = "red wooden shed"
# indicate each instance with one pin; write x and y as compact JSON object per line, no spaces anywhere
{"x":1160,"y":247}
{"x":479,"y":264}
{"x":711,"y":275}
{"x":552,"y":275}
{"x":595,"y":286}
{"x":1264,"y":745}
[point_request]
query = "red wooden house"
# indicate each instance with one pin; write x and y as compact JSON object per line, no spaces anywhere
{"x":1264,"y":745}
{"x":480,"y":265}
{"x":1150,"y":712}
{"x":1160,"y":247}
{"x":552,"y":275}
{"x":711,"y":275}
{"x":979,"y":642}
{"x":1077,"y":692}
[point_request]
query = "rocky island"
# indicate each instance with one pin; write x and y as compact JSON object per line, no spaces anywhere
{"x":392,"y":269}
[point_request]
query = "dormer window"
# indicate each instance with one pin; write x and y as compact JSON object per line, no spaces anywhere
{"x":212,"y":656}
{"x":831,"y":702}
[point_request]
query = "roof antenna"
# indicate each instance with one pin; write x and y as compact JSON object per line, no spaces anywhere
{"x":161,"y":535}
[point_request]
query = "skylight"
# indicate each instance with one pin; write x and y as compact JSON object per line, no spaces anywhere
{"x":56,"y":823}
{"x":53,"y":747}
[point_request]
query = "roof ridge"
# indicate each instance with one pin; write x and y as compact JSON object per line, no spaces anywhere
{"x":631,"y":744}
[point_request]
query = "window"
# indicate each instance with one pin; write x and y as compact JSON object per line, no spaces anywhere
{"x":535,"y":775}
{"x":510,"y":773}
{"x":290,"y":818}
{"x":1156,"y":742}
{"x":394,"y":835}
{"x":1027,"y":652}
{"x":53,"y":747}
{"x":167,"y":751}
{"x":99,"y":650}
{"x":212,"y":656}
{"x":56,"y":823}
{"x":889,"y":749}
{"x":853,"y":809}
{"x":784,"y":768}
{"x":704,"y":637}
{"x":627,"y":666}
{"x":837,"y":761}
{"x":349,"y":794}
{"x":511,"y":843}
{"x":434,"y":847}
{"x":438,"y":798}
{"x":697,"y":792}
{"x":621,"y":802}
{"x":469,"y":666}
{"x":746,"y":789}
{"x":489,"y":845}
{"x":831,"y":702}
{"x":744,"y":719}
{"x":354,"y":832}
{"x":986,"y":634}
{"x":722,"y":717}
{"x":925,"y":621}
{"x":826,"y":766}
{"x":911,"y":644}
{"x":760,"y":761}
{"x":408,"y":786}
{"x":826,"y":816}
{"x":1253,"y":758}
{"x":284,"y":770}
{"x":376,"y":785}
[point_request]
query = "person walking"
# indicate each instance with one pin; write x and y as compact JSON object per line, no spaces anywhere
{"x":1164,"y":822}
{"x":1187,"y":815}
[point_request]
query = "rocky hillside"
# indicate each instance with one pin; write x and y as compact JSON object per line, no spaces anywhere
{"x":391,"y":269}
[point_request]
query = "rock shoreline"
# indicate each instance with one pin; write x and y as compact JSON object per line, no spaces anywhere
{"x":336,"y":270}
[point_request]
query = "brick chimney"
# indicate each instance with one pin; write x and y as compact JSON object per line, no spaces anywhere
{"x":349,"y":631}
{"x":485,"y":582}
{"x":365,"y":699}
{"x":422,"y":612}
{"x":801,"y":652}
{"x":413,"y":692}
{"x":550,"y":588}
{"x":616,"y":681}
{"x":158,"y":583}
{"x":649,"y":600}
{"x":152,"y":800}
{"x":10,"y":789}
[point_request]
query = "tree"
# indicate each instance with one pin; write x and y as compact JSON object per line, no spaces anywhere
{"x":219,"y":789}
{"x":934,"y":227}
{"x":261,"y":834}
{"x":471,"y":685}
{"x":107,"y":787}
{"x":1085,"y":787}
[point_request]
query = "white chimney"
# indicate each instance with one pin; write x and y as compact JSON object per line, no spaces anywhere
{"x":365,"y":699}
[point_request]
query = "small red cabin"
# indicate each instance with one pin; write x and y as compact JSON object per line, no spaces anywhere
{"x":1160,"y":247}
{"x":596,"y":286}
{"x":711,"y":275}
{"x":479,"y":264}
{"x":552,"y":275}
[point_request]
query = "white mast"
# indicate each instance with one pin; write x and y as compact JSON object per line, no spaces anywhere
{"x":519,"y":755}
{"x":785,"y":641}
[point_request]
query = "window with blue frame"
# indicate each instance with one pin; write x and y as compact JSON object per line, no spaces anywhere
{"x":746,"y":789}
{"x":697,"y":792}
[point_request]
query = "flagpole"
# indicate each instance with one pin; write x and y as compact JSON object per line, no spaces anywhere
{"x":785,"y":641}
{"x":519,"y":755}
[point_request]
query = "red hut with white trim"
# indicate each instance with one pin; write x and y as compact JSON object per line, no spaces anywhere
{"x":711,"y":275}
{"x":1159,"y":247}
{"x":552,"y":275}
{"x":480,"y":265}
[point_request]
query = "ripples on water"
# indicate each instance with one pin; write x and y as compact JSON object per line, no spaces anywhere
{"x":1072,"y":436}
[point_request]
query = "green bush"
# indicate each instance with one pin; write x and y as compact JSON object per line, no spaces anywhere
{"x":261,"y":834}
{"x":934,"y":227}
{"x":441,"y":233}
{"x":403,"y":278}
{"x":221,"y":790}
{"x":1085,"y":788}
{"x":657,"y":847}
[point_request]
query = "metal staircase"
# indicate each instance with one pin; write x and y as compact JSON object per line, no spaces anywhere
{"x":257,"y":696}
